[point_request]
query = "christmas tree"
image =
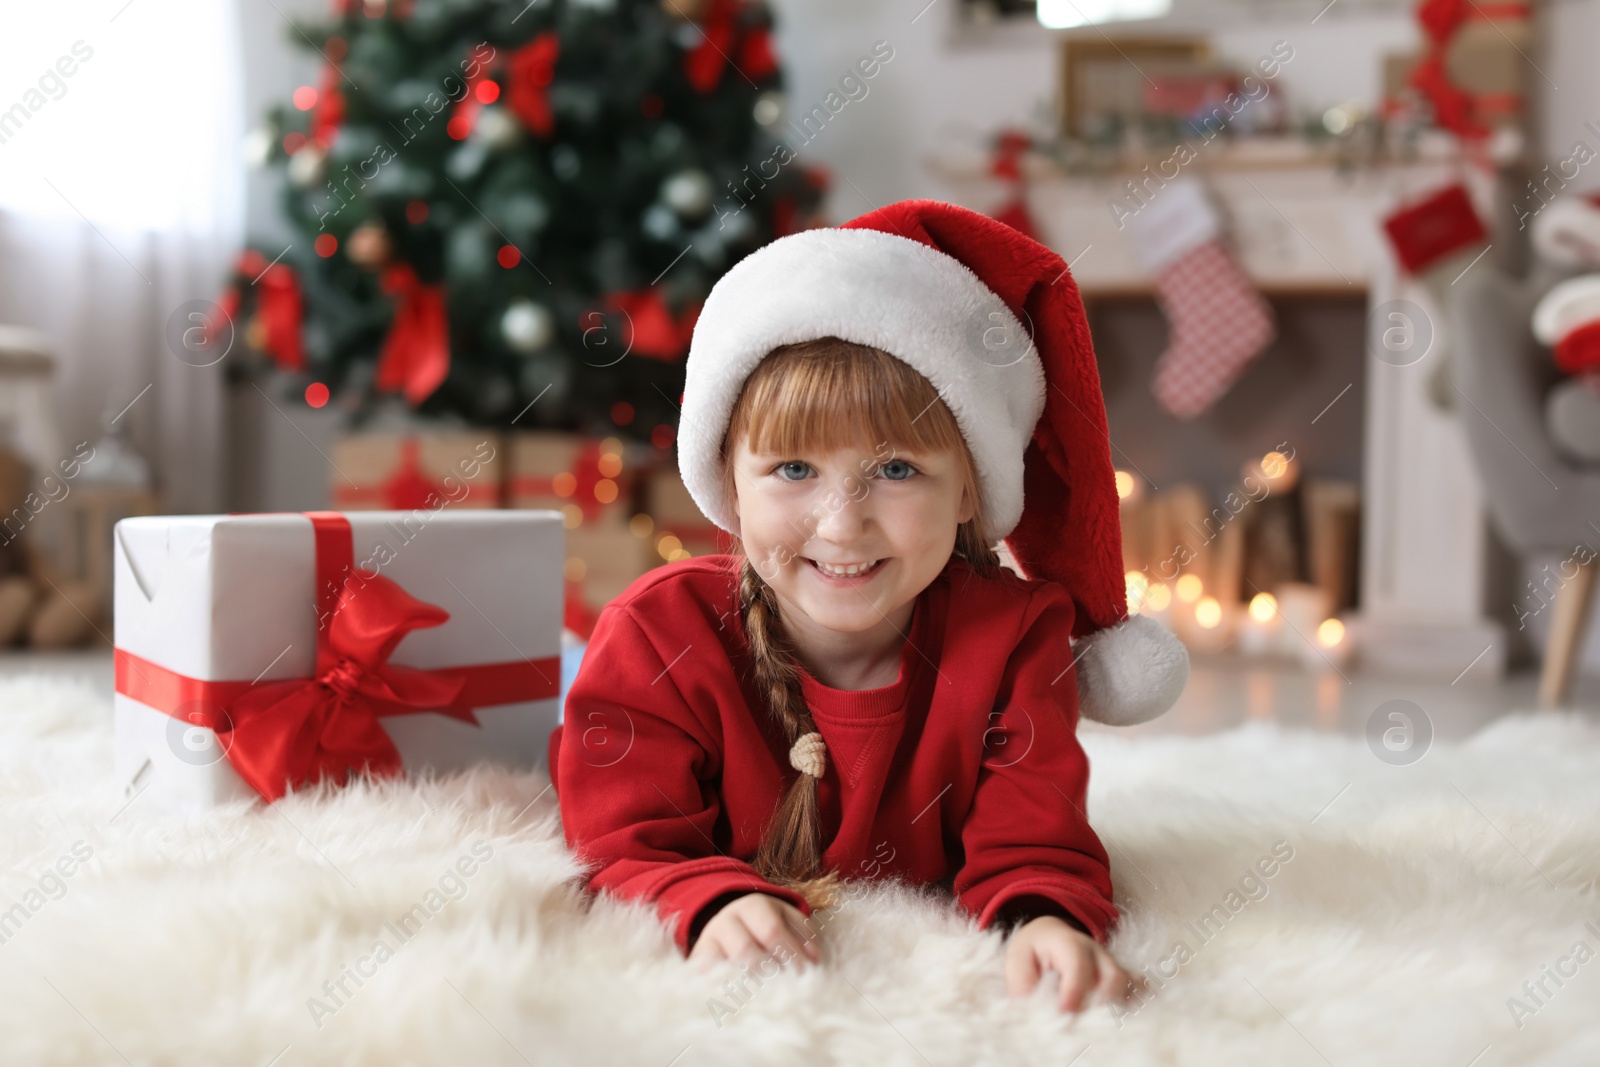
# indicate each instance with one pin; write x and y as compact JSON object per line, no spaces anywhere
{"x":514,"y":210}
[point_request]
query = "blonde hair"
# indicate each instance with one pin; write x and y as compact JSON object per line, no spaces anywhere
{"x":814,"y":396}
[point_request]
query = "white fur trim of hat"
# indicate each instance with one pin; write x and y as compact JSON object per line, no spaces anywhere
{"x":876,"y":289}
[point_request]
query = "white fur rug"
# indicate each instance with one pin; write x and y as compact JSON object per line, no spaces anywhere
{"x":1414,"y":907}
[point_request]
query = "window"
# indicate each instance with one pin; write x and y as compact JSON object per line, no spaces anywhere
{"x":122,"y":112}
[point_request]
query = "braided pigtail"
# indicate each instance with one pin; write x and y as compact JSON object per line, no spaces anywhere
{"x":790,"y":852}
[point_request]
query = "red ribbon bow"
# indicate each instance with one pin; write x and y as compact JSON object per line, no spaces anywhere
{"x":416,"y":355}
{"x":533,"y":68}
{"x":278,"y":303}
{"x":651,"y":330}
{"x":302,"y":730}
{"x":704,"y":63}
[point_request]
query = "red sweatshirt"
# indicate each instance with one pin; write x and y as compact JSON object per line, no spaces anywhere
{"x":966,"y":771}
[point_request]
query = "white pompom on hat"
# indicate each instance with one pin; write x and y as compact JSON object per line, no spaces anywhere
{"x":993,"y":319}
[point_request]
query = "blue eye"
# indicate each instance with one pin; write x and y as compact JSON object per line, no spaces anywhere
{"x":793,"y":463}
{"x":895,"y":465}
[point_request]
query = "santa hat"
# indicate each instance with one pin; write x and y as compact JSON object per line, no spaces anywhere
{"x":1567,"y":318}
{"x":1567,"y":231}
{"x":993,"y":319}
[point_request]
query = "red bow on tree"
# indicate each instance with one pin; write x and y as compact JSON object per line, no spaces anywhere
{"x":330,"y":108}
{"x":652,"y":331}
{"x":416,"y":354}
{"x":703,"y":64}
{"x":278,"y":304}
{"x":533,"y":68}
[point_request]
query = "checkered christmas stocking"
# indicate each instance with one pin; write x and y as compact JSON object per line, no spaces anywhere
{"x":1218,"y":321}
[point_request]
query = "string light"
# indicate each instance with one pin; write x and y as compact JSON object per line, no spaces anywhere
{"x":1263,"y":606}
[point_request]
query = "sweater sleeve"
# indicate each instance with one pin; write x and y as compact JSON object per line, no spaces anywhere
{"x":1027,"y":834}
{"x":638,"y":804}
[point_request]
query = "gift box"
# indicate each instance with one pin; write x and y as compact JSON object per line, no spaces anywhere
{"x":680,"y":529}
{"x":591,"y":481}
{"x":390,"y":471}
{"x":584,"y":477}
{"x":256,"y":652}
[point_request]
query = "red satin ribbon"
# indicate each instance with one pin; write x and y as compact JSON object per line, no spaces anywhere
{"x":302,"y":730}
{"x":416,"y":355}
{"x":410,"y":487}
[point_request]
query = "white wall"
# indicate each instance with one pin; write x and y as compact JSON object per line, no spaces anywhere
{"x":935,"y":93}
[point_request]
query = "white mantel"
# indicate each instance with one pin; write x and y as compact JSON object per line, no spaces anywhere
{"x":1301,"y":227}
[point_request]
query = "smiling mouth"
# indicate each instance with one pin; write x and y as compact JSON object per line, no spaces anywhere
{"x":847,"y":572}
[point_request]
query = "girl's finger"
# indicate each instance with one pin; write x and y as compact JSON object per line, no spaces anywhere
{"x":1078,"y":972}
{"x":1022,"y":969}
{"x":737,"y":940}
{"x":777,"y":938}
{"x":1115,"y":984}
{"x":807,"y":944}
{"x":705,"y":953}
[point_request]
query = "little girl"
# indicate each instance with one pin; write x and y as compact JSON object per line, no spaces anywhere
{"x":861,"y":690}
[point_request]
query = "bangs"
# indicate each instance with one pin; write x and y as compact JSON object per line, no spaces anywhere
{"x":828,"y":394}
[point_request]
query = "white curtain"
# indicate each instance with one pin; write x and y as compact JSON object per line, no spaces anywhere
{"x":122,"y":199}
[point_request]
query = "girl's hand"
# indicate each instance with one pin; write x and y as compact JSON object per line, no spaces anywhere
{"x":1087,"y":970}
{"x":756,"y":924}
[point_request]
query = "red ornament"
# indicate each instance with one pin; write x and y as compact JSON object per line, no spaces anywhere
{"x":508,"y":256}
{"x":326,"y":245}
{"x":317,"y":394}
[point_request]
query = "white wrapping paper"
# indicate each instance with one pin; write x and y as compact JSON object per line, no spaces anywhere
{"x":232,"y":598}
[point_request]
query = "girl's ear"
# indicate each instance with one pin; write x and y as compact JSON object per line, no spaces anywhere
{"x":967,"y":507}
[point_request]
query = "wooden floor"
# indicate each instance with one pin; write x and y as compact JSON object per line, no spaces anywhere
{"x":1224,"y":691}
